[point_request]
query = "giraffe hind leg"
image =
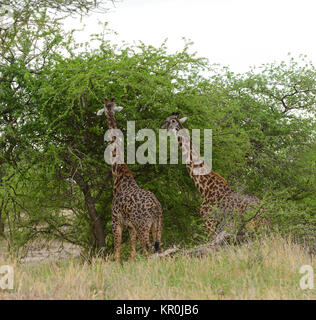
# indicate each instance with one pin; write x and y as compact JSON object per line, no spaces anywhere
{"x":154,"y":233}
{"x":143,"y":236}
{"x":156,"y":237}
{"x":157,"y":228}
{"x":157,"y":242}
{"x":133,"y":238}
{"x":117,"y":233}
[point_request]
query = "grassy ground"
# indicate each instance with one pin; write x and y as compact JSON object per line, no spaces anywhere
{"x":268,"y":269}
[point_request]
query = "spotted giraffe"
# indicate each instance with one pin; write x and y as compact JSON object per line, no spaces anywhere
{"x":132,"y":207}
{"x":219,"y":200}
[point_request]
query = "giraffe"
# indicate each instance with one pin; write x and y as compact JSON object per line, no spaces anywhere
{"x":132,"y":207}
{"x":219,"y":200}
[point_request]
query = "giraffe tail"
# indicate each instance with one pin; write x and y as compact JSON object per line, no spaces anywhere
{"x":157,"y":230}
{"x":157,"y":246}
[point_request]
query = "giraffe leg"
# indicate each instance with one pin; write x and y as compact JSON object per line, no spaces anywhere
{"x":117,"y":233}
{"x":210,"y":222}
{"x":210,"y":225}
{"x":143,"y":236}
{"x":133,"y":237}
{"x":158,"y":235}
{"x":157,"y":227}
{"x":154,"y":231}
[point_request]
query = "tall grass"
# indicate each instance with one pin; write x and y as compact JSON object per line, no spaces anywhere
{"x":265,"y":269}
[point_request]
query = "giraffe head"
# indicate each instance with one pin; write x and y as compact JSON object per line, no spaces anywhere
{"x":109,"y":105}
{"x":173,"y":123}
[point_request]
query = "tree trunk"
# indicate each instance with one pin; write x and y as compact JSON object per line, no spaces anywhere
{"x":1,"y":228}
{"x":1,"y":224}
{"x":96,"y":222}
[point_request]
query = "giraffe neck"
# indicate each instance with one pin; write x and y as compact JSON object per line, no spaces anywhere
{"x":119,"y":170}
{"x":210,"y":184}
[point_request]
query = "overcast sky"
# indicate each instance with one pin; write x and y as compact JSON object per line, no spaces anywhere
{"x":238,"y":33}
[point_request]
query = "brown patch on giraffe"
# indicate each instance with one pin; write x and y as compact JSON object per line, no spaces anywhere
{"x":219,"y":177}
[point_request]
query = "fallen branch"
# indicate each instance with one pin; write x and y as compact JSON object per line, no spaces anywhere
{"x":168,"y":252}
{"x":198,"y":251}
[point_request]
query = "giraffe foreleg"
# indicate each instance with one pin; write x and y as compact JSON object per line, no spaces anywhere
{"x":209,"y":220}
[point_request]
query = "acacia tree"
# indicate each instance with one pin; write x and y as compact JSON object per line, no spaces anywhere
{"x":252,"y":143}
{"x":30,"y":34}
{"x":53,"y":143}
{"x":69,"y":135}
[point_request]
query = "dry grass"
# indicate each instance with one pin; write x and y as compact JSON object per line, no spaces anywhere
{"x":268,"y":269}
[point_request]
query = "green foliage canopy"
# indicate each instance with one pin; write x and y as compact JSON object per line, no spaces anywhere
{"x":52,"y":142}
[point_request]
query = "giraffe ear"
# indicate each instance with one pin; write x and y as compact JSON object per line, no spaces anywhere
{"x":100,"y":112}
{"x":182,"y":120}
{"x":117,"y":108}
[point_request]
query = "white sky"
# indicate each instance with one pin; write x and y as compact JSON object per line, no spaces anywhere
{"x":238,"y":33}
